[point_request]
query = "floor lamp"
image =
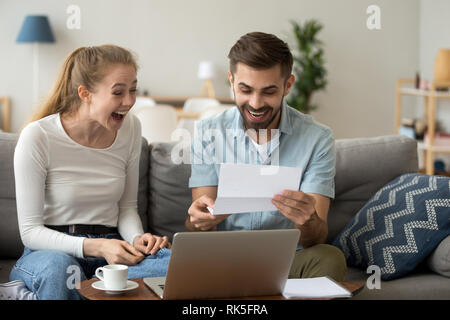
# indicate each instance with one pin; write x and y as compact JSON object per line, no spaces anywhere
{"x":207,"y":71}
{"x":35,"y":29}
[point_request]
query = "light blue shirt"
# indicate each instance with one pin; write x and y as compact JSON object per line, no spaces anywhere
{"x":301,"y":143}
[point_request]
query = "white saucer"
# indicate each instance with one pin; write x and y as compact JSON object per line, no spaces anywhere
{"x":100,"y":285}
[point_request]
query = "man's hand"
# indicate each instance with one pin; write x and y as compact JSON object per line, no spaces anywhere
{"x":150,"y":244}
{"x":201,"y":218}
{"x":297,"y":206}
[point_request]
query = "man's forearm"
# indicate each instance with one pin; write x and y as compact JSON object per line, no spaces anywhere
{"x":314,"y":231}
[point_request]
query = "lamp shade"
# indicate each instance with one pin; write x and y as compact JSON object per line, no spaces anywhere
{"x":35,"y":29}
{"x":442,"y":66}
{"x":206,"y":70}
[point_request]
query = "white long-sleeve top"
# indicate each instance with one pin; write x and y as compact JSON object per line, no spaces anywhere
{"x":60,"y":182}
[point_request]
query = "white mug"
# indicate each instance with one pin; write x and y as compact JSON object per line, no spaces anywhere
{"x":114,"y":276}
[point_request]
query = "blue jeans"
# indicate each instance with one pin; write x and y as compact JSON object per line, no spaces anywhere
{"x":52,"y":275}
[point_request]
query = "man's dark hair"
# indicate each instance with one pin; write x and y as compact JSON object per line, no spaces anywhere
{"x":261,"y":50}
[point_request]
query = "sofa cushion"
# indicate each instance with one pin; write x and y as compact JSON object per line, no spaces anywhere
{"x":439,"y":259}
{"x":170,"y":196}
{"x":399,"y":226}
{"x":417,"y":285}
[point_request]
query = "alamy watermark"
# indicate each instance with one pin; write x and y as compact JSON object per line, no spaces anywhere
{"x":213,"y":146}
{"x":74,"y":278}
{"x":73,"y":21}
{"x":373,"y":281}
{"x":373,"y":21}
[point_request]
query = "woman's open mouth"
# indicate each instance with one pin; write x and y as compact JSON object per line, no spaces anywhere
{"x":258,"y":116}
{"x":119,"y":115}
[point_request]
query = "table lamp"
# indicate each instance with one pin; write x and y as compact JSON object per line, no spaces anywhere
{"x":207,"y":71}
{"x":35,"y":29}
{"x":442,"y":67}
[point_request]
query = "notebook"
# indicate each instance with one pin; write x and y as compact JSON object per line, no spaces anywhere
{"x":320,"y":287}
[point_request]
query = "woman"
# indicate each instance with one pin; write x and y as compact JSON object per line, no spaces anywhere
{"x":77,"y":170}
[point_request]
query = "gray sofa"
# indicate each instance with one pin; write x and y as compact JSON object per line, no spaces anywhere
{"x":363,"y":166}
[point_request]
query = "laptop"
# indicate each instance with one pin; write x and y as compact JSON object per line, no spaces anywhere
{"x":227,"y":264}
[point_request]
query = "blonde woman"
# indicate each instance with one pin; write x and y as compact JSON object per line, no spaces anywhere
{"x":76,"y":171}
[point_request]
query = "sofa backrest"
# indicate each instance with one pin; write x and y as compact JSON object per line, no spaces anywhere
{"x":10,"y":243}
{"x":363,"y":166}
{"x":169,"y":193}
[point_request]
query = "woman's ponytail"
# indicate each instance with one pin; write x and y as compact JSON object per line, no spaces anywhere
{"x":61,"y":96}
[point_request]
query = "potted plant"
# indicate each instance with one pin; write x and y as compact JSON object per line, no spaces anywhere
{"x":308,"y":67}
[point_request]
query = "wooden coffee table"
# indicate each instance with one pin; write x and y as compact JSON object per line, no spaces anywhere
{"x":145,"y":293}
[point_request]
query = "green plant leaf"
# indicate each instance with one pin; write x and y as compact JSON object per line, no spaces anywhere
{"x":309,"y":66}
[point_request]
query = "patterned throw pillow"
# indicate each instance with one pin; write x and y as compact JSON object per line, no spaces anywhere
{"x":399,"y":226}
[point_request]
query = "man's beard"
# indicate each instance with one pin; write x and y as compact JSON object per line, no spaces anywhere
{"x":248,"y":124}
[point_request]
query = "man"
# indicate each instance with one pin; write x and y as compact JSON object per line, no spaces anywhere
{"x":269,"y":132}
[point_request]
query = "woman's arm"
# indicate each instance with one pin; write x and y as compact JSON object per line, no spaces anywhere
{"x":30,"y":172}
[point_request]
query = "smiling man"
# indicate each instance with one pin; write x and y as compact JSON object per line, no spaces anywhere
{"x":271,"y":133}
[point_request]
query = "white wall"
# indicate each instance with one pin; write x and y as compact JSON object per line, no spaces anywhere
{"x":172,"y":36}
{"x":434,"y":34}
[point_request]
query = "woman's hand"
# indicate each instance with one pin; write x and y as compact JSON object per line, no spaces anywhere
{"x":150,"y":244}
{"x":113,"y":250}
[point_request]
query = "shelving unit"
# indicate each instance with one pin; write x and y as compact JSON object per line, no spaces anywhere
{"x":430,"y":97}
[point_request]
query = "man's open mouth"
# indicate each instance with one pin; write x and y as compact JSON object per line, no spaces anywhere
{"x":258,"y":116}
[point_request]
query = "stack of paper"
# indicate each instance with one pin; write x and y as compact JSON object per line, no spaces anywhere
{"x":321,"y":287}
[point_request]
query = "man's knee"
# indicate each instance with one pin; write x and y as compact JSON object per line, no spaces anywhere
{"x":318,"y":261}
{"x":334,"y":260}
